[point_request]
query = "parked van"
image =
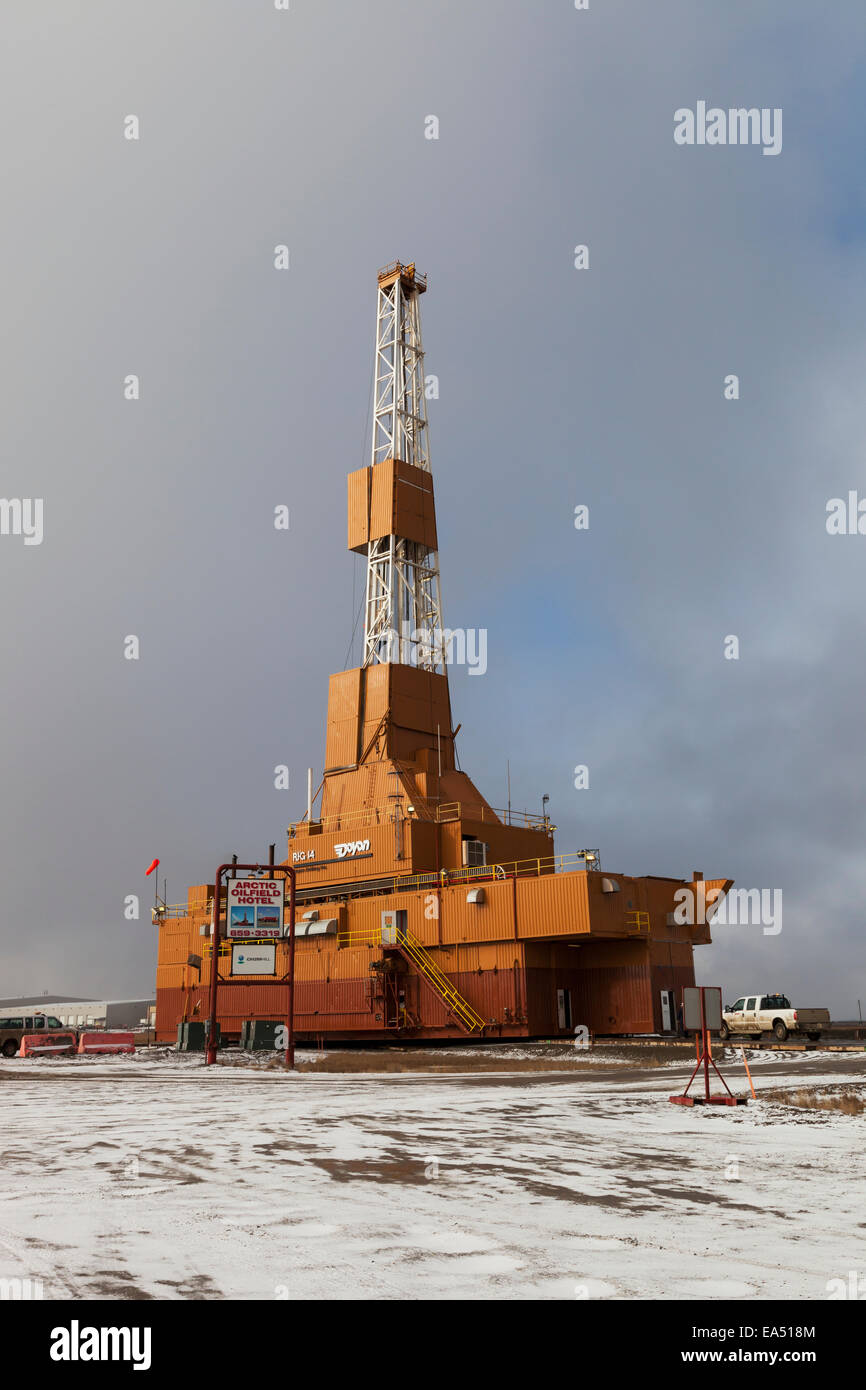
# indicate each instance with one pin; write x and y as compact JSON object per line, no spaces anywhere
{"x":12,"y":1028}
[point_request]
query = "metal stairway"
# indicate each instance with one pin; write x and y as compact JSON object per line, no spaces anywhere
{"x":396,"y":938}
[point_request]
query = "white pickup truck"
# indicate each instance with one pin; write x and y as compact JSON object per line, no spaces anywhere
{"x":771,"y":1013}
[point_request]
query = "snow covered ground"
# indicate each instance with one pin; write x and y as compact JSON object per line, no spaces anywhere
{"x":153,"y":1177}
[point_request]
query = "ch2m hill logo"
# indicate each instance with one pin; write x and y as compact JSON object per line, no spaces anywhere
{"x":352,"y":847}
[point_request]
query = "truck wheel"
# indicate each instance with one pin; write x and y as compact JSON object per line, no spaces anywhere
{"x":10,"y":1048}
{"x":780,"y":1030}
{"x":724,"y":1032}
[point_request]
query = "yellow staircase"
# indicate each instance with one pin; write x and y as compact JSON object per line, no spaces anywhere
{"x":396,"y":938}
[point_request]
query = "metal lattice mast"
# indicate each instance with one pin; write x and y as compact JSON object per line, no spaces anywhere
{"x":403,"y":610}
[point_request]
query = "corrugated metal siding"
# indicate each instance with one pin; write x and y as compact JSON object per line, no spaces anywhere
{"x":238,"y":1002}
{"x":614,"y":985}
{"x":376,"y":692}
{"x":414,"y":509}
{"x":418,"y":699}
{"x":555,"y":904}
{"x":341,"y":1006}
{"x":509,"y":843}
{"x":382,"y":500}
{"x":421,"y":845}
{"x":347,"y":792}
{"x":675,"y":977}
{"x":401,"y":503}
{"x":170,"y":976}
{"x":341,"y":738}
{"x":378,"y":861}
{"x":607,"y":911}
{"x":672,"y":953}
{"x":313,"y":959}
{"x":491,"y":994}
{"x":359,"y":508}
{"x":425,"y":929}
{"x":174,"y":941}
{"x":492,"y":920}
{"x":607,"y":999}
{"x":588,"y":953}
{"x":614,"y":999}
{"x":353,"y":962}
{"x":169,"y":1008}
{"x":344,"y":694}
{"x":475,"y":956}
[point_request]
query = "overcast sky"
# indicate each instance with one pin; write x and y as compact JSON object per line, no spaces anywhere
{"x":558,"y":387}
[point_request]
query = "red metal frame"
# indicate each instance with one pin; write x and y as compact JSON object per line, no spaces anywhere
{"x":211,"y":1053}
{"x":705,"y":1055}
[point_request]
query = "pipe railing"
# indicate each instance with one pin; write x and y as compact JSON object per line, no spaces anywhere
{"x":573,"y":861}
{"x":448,"y":811}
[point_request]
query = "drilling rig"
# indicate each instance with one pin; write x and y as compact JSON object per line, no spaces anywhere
{"x":422,"y":911}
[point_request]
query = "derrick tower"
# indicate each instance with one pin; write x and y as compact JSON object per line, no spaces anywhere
{"x":403,"y":611}
{"x":390,"y":779}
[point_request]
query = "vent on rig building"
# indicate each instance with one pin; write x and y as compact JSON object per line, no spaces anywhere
{"x":474,"y":852}
{"x":317,"y":926}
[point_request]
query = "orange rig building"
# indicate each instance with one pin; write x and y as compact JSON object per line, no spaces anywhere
{"x":422,"y":913}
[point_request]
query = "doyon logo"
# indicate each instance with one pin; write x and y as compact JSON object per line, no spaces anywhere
{"x":352,"y":847}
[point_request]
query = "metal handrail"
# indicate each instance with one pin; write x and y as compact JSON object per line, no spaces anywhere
{"x":393,"y":267}
{"x":449,"y":811}
{"x":459,"y":810}
{"x":541,"y":867}
{"x":367,"y":815}
{"x":180,"y":910}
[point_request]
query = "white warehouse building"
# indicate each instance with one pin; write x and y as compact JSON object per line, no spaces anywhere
{"x":124,"y":1014}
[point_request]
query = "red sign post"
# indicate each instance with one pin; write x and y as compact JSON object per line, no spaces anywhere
{"x":269,"y":869}
{"x":702,"y":1012}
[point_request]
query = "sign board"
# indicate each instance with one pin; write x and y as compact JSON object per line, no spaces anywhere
{"x":254,"y":960}
{"x":254,"y":908}
{"x":692,"y":1008}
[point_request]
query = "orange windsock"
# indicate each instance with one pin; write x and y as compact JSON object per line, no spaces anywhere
{"x":152,"y":867}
